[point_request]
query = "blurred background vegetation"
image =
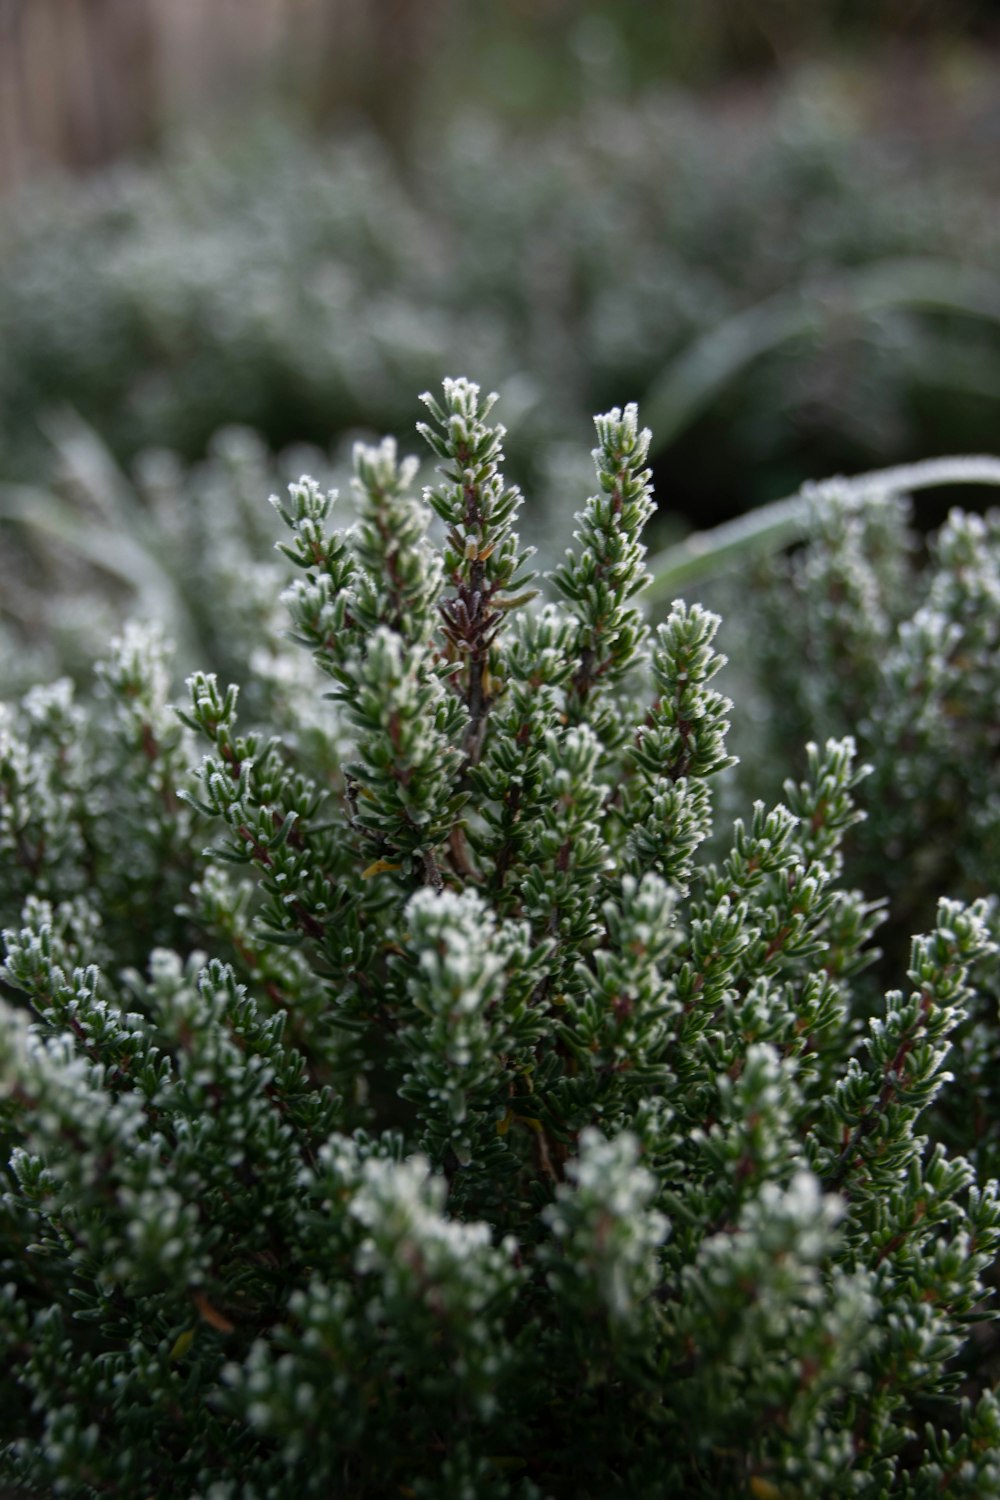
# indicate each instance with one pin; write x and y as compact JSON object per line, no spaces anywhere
{"x":86,"y":81}
{"x":774,"y":225}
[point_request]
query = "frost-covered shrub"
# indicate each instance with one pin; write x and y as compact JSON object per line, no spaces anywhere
{"x":871,"y":629}
{"x":897,"y":640}
{"x":453,"y":1126}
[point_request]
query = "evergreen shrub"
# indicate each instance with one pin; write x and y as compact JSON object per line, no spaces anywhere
{"x":896,"y":638}
{"x":454,"y":1126}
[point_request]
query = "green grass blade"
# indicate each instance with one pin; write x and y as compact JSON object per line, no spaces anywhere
{"x":770,"y":527}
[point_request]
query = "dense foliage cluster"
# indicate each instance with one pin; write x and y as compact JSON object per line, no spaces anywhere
{"x":906,"y":652}
{"x":870,"y":628}
{"x":455,"y":1126}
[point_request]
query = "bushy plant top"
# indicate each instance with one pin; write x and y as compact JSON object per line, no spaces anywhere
{"x":453,"y":1127}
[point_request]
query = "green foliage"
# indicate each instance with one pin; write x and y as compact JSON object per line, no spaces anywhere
{"x":529,"y":64}
{"x":866,"y":628}
{"x":453,"y":1125}
{"x":906,"y":652}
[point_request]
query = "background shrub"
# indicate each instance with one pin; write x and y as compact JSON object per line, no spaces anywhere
{"x":785,"y":283}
